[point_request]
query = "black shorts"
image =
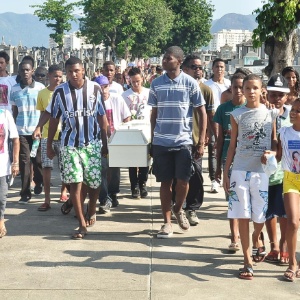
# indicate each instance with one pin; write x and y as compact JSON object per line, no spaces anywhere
{"x":275,"y":202}
{"x":172,"y":162}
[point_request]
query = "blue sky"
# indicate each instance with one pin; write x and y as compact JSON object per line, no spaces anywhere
{"x":222,"y":7}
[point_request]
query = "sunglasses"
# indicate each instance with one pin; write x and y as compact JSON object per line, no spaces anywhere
{"x":40,"y":75}
{"x":195,"y":67}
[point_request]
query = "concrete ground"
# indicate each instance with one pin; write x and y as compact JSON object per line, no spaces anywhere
{"x":121,"y":258}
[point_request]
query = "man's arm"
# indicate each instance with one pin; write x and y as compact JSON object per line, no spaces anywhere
{"x":219,"y":149}
{"x":15,"y":163}
{"x":53,"y":124}
{"x":102,"y":121}
{"x":15,"y":112}
{"x":126,"y":119}
{"x":202,"y":131}
{"x":153,"y":121}
{"x":44,"y":118}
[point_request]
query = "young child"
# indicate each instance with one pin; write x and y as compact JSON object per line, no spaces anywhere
{"x":43,"y":99}
{"x":277,"y":96}
{"x":288,"y":143}
{"x":252,"y":128}
{"x":222,"y":117}
{"x":8,"y":129}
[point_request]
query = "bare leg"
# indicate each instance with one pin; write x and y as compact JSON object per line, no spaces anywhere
{"x":166,"y":200}
{"x":234,"y":229}
{"x":256,"y":234}
{"x":291,"y":205}
{"x":75,"y":195}
{"x":245,"y":240}
{"x":63,"y":190}
{"x":282,"y":242}
{"x":46,"y":180}
{"x":271,"y":226}
{"x":182,"y":189}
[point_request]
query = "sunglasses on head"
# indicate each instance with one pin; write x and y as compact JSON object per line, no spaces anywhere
{"x":195,"y":67}
{"x":40,"y":75}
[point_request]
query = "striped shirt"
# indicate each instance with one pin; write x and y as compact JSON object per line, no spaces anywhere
{"x":78,"y":109}
{"x":174,"y":100}
{"x":25,"y":99}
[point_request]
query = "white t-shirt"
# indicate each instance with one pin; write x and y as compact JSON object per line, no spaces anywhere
{"x":116,"y":88}
{"x":218,"y":89}
{"x":6,"y":84}
{"x":138,"y":103}
{"x":290,"y":142}
{"x":7,"y":129}
{"x":116,"y":111}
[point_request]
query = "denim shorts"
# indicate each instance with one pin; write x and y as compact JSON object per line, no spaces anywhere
{"x":172,"y":162}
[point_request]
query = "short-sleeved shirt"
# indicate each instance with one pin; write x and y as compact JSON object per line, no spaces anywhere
{"x":44,"y":98}
{"x":209,"y":106}
{"x":78,"y":109}
{"x":115,"y":87}
{"x":281,"y":121}
{"x":254,"y":136}
{"x":290,"y":142}
{"x":25,"y":99}
{"x":222,"y":117}
{"x":218,"y":89}
{"x":6,"y":83}
{"x":116,"y":111}
{"x":7,"y":129}
{"x":174,"y":100}
{"x":138,"y":103}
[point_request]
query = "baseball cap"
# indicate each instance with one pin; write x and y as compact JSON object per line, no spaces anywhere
{"x":101,"y":80}
{"x":278,"y":83}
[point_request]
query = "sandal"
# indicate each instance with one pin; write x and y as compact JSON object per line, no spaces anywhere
{"x":259,"y":254}
{"x":246,"y":273}
{"x":3,"y":232}
{"x":284,"y":258}
{"x":90,"y":220}
{"x":234,"y":247}
{"x":66,"y":207}
{"x":272,"y":257}
{"x":44,"y":207}
{"x":79,"y":234}
{"x":287,"y":277}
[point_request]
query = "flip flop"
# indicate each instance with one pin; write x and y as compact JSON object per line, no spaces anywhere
{"x":259,"y":254}
{"x":248,"y":270}
{"x":44,"y":207}
{"x":79,"y":234}
{"x":66,"y":207}
{"x":283,"y":257}
{"x":234,"y":247}
{"x":289,"y":278}
{"x":272,"y":257}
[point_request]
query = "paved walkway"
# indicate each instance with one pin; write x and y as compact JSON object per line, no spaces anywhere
{"x":121,"y":258}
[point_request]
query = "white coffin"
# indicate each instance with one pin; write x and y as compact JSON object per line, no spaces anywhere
{"x":138,"y":124}
{"x":128,"y":148}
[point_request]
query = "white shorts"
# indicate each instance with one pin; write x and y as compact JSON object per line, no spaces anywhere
{"x":46,"y":161}
{"x":248,"y":197}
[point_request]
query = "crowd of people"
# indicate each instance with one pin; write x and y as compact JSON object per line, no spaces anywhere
{"x":245,"y":123}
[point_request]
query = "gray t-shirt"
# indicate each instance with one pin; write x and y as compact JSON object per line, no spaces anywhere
{"x":254,"y":136}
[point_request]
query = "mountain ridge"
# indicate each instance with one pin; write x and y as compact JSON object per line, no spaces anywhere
{"x":13,"y":31}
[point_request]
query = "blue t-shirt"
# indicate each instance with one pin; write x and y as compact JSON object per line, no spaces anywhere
{"x":25,"y":100}
{"x":174,"y":100}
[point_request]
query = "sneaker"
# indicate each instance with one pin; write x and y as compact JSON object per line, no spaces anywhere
{"x":165,"y":232}
{"x":136,"y":193}
{"x":38,"y":189}
{"x":114,"y":200}
{"x":143,"y":191}
{"x":105,"y":206}
{"x":192,"y":217}
{"x":24,"y":199}
{"x":182,"y":221}
{"x":214,"y":187}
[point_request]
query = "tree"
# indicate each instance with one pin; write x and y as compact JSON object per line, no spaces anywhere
{"x":277,"y":23}
{"x":125,"y":25}
{"x":57,"y":14}
{"x":191,"y":28}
